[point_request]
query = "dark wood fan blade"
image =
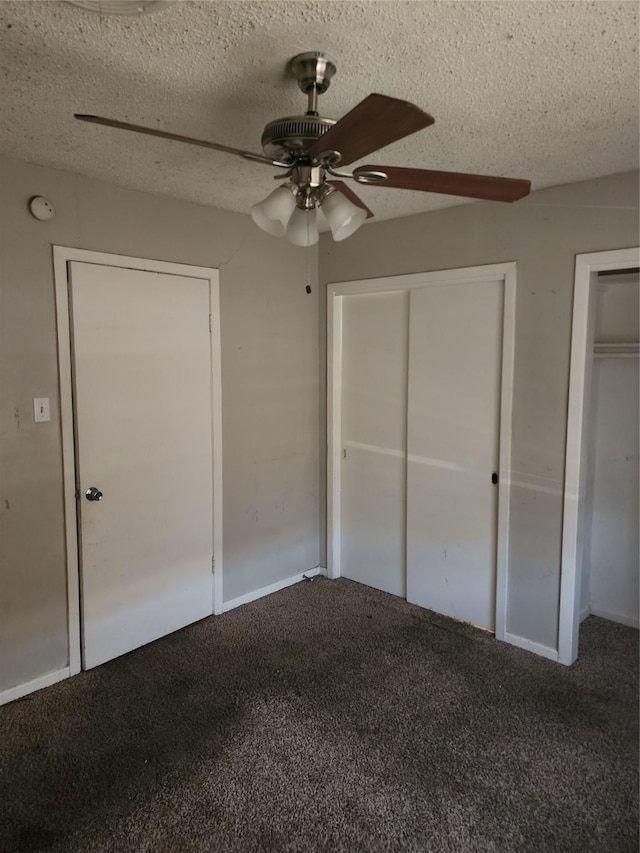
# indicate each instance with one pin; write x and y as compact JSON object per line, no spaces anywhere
{"x":373,"y":123}
{"x":450,"y":183}
{"x":175,"y":137}
{"x":346,"y":190}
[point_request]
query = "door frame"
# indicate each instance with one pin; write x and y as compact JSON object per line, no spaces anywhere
{"x":587,"y":267}
{"x":464,"y":275}
{"x":62,"y":256}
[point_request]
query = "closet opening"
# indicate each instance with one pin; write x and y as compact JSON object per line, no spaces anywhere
{"x":599,"y":572}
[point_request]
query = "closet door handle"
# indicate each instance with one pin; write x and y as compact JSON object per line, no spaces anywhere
{"x":494,"y":478}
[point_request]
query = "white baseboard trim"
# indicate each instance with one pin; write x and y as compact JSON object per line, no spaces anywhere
{"x":586,"y":611}
{"x":530,"y":646}
{"x":274,"y":587}
{"x":616,"y":617}
{"x":20,"y":690}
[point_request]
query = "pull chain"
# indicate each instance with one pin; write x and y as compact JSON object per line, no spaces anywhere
{"x":308,"y":287}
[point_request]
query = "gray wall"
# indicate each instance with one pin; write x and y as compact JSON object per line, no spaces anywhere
{"x":542,"y":233}
{"x":269,"y":385}
{"x":273,"y":431}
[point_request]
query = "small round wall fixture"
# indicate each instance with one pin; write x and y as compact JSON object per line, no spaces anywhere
{"x":41,"y":208}
{"x":121,"y":7}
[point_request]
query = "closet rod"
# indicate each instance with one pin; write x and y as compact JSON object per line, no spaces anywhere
{"x":622,"y":350}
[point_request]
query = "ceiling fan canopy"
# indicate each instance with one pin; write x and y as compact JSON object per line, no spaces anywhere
{"x":311,"y":149}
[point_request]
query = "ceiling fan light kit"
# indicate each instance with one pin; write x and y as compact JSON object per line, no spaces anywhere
{"x":292,"y":212}
{"x":311,"y":148}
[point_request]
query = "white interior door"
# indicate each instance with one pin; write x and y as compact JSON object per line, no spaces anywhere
{"x":374,"y":430}
{"x":142,"y":386}
{"x":455,"y":361}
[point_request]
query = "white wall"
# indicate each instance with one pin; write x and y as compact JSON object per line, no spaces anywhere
{"x":542,"y":233}
{"x":610,"y":584}
{"x":270,"y":393}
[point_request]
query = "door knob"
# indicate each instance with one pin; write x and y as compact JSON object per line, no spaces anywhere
{"x":93,"y":494}
{"x":494,"y":478}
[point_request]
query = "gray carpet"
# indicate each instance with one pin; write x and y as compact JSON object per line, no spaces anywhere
{"x":330,"y":717}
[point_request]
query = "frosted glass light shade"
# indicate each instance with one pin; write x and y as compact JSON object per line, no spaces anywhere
{"x":273,"y":214}
{"x":303,"y":228}
{"x":343,"y":216}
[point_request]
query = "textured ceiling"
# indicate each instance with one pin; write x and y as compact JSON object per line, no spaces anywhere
{"x":539,"y":90}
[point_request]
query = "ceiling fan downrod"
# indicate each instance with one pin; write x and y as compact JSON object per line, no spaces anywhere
{"x":313,"y":71}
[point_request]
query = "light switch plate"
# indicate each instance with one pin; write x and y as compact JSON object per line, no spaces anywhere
{"x":41,"y":411}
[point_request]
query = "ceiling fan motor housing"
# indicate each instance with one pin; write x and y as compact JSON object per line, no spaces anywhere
{"x":290,"y":137}
{"x":293,"y":135}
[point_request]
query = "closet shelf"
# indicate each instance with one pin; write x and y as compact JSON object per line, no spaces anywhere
{"x":622,"y":350}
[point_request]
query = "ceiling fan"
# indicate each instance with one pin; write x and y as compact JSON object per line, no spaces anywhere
{"x":310,"y":148}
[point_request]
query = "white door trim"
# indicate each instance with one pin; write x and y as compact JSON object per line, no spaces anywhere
{"x":62,"y":255}
{"x":506,"y":272}
{"x":582,"y":333}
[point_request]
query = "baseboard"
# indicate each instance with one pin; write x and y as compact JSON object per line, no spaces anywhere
{"x":586,"y":611}
{"x":530,"y":646}
{"x":20,"y":690}
{"x":615,"y":617}
{"x":274,"y":587}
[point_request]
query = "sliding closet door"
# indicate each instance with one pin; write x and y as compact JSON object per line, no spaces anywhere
{"x":374,"y":430}
{"x":455,"y":358}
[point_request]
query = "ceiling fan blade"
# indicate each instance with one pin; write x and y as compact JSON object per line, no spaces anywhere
{"x":346,"y":190}
{"x":373,"y":123}
{"x":449,"y":183}
{"x":175,"y":137}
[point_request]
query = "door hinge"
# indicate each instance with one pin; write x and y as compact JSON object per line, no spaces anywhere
{"x":209,"y":322}
{"x":213,"y":565}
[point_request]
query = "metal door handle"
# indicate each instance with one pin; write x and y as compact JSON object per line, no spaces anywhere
{"x":93,"y":494}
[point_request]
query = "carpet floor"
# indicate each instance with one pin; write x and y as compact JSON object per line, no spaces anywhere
{"x":330,"y":717}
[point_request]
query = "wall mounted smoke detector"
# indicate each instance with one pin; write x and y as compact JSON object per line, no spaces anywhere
{"x":121,"y":7}
{"x":41,"y":208}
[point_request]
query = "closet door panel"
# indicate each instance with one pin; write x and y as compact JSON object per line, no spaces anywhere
{"x":455,"y":361}
{"x":374,"y":430}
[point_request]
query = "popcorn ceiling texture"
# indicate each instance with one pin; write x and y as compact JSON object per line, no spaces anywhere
{"x":539,"y":90}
